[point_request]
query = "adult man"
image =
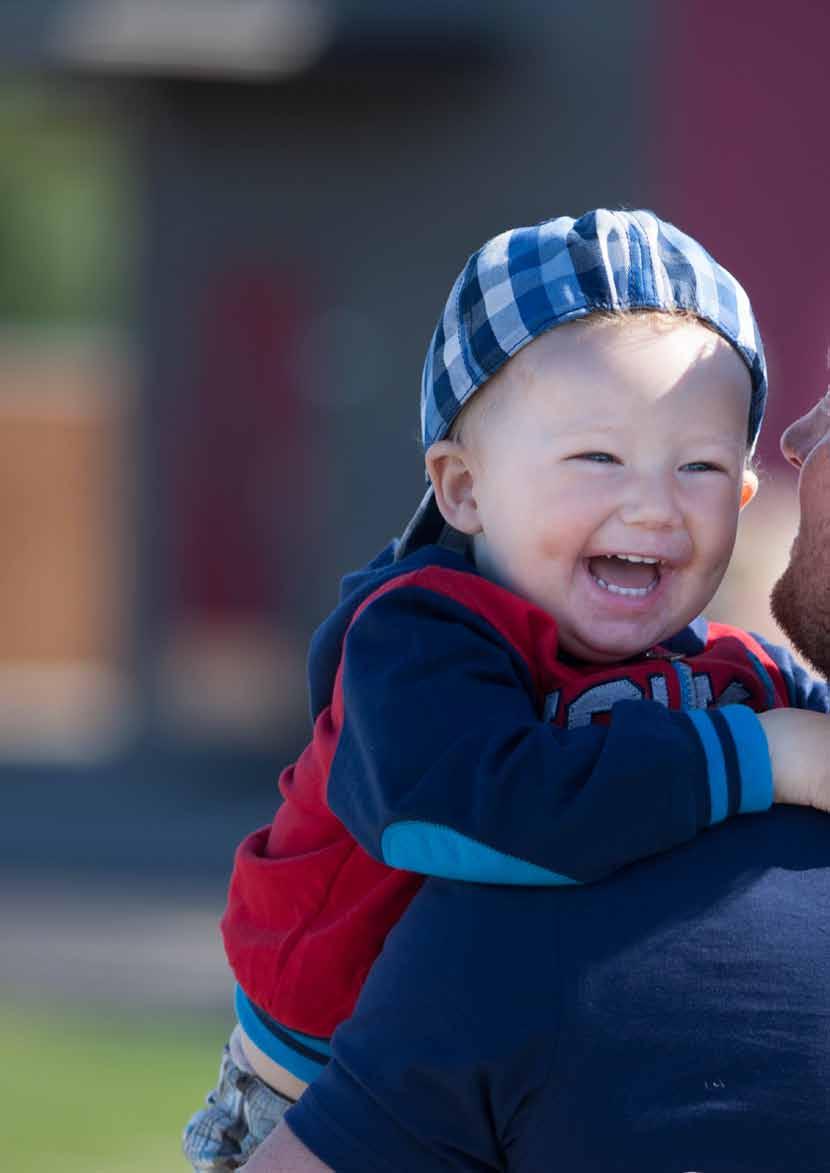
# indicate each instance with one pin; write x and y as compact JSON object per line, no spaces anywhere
{"x":674,"y":1018}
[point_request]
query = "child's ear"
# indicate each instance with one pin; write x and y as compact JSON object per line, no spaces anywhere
{"x":449,"y":465}
{"x":749,"y":487}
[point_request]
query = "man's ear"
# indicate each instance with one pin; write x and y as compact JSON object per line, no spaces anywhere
{"x":749,"y":487}
{"x":450,"y":467}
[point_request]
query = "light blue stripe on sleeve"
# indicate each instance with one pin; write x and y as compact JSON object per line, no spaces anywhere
{"x":753,"y":757}
{"x":715,"y":765}
{"x":433,"y":850}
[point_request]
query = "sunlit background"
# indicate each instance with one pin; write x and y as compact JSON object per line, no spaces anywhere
{"x":226,"y":230}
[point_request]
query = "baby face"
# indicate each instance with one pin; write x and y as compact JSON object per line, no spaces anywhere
{"x":605,"y":477}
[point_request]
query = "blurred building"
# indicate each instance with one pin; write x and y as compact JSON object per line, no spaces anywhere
{"x":189,"y":465}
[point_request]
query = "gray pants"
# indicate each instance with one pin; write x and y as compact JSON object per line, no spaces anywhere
{"x":238,"y":1115}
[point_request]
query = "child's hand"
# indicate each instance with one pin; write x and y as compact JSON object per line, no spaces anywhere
{"x":799,"y":750}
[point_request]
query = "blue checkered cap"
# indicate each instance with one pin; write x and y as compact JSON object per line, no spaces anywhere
{"x":528,"y":280}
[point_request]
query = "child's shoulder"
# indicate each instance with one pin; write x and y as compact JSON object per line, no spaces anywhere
{"x":435,"y":583}
{"x":786,"y":681}
{"x":704,"y":635}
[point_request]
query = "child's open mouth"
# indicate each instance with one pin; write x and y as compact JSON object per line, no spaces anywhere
{"x":625,"y":574}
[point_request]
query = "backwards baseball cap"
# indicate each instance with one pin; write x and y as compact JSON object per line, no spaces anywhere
{"x":526,"y":281}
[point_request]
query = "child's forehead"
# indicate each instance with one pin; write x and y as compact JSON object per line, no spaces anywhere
{"x":585,"y":373}
{"x":587,"y":338}
{"x":588,"y":347}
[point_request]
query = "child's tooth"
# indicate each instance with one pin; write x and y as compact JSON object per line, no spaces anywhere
{"x":620,"y":590}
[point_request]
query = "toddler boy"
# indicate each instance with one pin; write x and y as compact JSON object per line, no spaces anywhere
{"x":519,"y":690}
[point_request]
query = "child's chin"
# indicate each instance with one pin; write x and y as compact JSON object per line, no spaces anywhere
{"x":611,"y":650}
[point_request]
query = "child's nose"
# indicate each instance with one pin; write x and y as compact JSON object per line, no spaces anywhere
{"x":651,"y":503}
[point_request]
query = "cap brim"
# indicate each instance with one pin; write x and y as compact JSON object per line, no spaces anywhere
{"x":425,"y":528}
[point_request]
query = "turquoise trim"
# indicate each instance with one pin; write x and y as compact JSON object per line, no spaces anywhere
{"x":764,"y":677}
{"x":753,"y":757}
{"x":715,"y":765}
{"x":686,"y":681}
{"x":433,"y":850}
{"x":274,"y":1047}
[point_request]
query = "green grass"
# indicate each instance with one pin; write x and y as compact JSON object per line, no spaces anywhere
{"x":101,"y":1093}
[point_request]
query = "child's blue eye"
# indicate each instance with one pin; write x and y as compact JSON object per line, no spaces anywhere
{"x":596,"y":457}
{"x":701,"y":466}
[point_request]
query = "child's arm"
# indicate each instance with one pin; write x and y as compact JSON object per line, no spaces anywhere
{"x":798,"y":740}
{"x":442,"y":765}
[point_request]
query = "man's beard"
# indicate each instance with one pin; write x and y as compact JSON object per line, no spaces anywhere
{"x":800,"y":602}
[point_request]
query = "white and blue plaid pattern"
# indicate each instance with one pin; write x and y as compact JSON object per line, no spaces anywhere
{"x":238,"y":1115}
{"x":528,"y":280}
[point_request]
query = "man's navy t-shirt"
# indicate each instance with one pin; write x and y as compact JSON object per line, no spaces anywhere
{"x":673,"y":1018}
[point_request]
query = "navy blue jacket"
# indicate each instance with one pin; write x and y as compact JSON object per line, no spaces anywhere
{"x":452,"y":739}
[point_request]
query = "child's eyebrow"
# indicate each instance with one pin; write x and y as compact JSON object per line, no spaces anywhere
{"x":587,"y":425}
{"x":588,"y":429}
{"x":714,"y":441}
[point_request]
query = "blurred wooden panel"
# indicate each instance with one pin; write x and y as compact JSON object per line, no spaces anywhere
{"x":63,"y":512}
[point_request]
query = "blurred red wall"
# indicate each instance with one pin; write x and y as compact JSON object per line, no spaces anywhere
{"x":742,"y":107}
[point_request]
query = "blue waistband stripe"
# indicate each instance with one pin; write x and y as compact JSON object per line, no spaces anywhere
{"x":303,"y":1055}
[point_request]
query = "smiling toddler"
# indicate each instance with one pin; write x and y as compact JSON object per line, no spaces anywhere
{"x":519,"y":690}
